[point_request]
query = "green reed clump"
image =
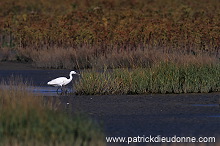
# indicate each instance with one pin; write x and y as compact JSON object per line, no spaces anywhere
{"x":26,"y":119}
{"x":163,"y":78}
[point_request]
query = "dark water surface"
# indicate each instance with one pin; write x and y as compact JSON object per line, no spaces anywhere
{"x":166,"y":115}
{"x":136,"y":115}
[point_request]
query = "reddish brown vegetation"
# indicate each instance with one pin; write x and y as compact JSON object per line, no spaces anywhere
{"x":115,"y":33}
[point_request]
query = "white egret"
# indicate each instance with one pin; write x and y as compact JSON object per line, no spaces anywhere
{"x":61,"y":81}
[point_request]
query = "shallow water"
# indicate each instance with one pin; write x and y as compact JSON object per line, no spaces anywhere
{"x":135,"y":115}
{"x":39,"y":79}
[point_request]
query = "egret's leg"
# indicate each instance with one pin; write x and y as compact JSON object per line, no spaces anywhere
{"x":61,"y":88}
{"x":58,"y":88}
{"x":65,"y":89}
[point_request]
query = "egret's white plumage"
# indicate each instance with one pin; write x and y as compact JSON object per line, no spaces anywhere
{"x":61,"y":81}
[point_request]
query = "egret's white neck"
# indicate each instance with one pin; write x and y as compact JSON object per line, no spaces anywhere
{"x":71,"y":77}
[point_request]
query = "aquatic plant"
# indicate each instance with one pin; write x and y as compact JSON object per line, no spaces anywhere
{"x":163,"y":78}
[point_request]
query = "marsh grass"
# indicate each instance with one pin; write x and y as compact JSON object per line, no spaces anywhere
{"x":26,"y":119}
{"x":86,"y":56}
{"x":163,"y":78}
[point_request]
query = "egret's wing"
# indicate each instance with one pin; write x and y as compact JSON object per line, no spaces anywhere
{"x":57,"y":82}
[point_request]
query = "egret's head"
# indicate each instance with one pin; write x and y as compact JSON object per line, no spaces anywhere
{"x":73,"y":72}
